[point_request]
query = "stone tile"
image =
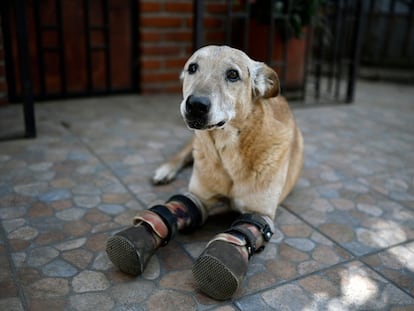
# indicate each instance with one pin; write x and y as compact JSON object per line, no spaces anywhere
{"x":179,"y":280}
{"x":78,"y":257}
{"x":59,"y":268}
{"x":347,"y":287}
{"x":91,"y":301}
{"x":399,"y":186}
{"x":48,"y":288}
{"x":351,"y":214}
{"x":133,"y":293}
{"x":170,"y":300}
{"x":90,"y":281}
{"x":11,"y":304}
{"x":40,"y":304}
{"x":395,"y":264}
{"x":173,"y":257}
{"x":290,"y":254}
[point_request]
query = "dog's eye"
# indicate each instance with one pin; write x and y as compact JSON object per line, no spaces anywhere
{"x":232,"y":75}
{"x":192,"y":68}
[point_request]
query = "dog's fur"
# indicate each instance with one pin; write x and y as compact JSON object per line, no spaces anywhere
{"x":247,"y":147}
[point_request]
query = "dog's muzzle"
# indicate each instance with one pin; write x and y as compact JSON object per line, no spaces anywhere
{"x":197,"y":110}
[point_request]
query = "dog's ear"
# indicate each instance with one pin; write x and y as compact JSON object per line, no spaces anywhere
{"x":265,"y":81}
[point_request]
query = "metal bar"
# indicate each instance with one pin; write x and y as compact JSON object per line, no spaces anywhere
{"x":335,"y":52}
{"x":62,"y":64}
{"x":8,"y":52}
{"x":134,"y":44}
{"x":388,"y":30}
{"x":356,"y":47}
{"x":198,"y":37}
{"x":306,"y":63}
{"x":48,"y":26}
{"x":286,"y":43}
{"x":96,"y":48}
{"x":409,"y":31}
{"x":24,"y":64}
{"x":271,"y":35}
{"x":229,"y":20}
{"x":88,"y":45}
{"x":98,"y":27}
{"x":40,"y":47}
{"x":246,"y":17}
{"x":53,"y":49}
{"x":341,"y":35}
{"x":105,"y":8}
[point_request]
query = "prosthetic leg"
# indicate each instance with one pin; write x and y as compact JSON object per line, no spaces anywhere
{"x":131,"y":249}
{"x":222,"y":266}
{"x":219,"y":270}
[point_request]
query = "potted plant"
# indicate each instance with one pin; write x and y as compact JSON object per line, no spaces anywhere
{"x":292,"y":19}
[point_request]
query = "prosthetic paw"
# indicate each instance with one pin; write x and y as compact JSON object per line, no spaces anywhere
{"x":221,"y":268}
{"x":131,"y":249}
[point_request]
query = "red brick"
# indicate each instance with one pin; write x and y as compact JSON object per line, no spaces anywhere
{"x":179,"y":7}
{"x":217,"y":37}
{"x":3,"y":100}
{"x":189,"y":22}
{"x":159,"y":50}
{"x":211,"y":22}
{"x":150,"y":77}
{"x":3,"y":86}
{"x":161,"y":21}
{"x":151,"y":64}
{"x":174,"y":88}
{"x":150,"y":36}
{"x":175,"y":63}
{"x":216,"y":7}
{"x":149,"y":7}
{"x":179,"y":36}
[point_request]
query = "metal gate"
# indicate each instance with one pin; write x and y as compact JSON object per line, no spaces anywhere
{"x":76,"y":47}
{"x":325,"y":66}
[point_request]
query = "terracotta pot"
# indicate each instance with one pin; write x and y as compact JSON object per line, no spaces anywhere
{"x":296,"y":54}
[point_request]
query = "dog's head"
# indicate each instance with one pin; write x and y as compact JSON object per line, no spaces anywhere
{"x":220,"y":84}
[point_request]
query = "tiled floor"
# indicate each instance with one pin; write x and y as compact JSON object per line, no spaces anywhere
{"x":344,"y":238}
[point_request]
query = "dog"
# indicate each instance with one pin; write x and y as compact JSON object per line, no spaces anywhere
{"x":247,"y":151}
{"x":246,"y":145}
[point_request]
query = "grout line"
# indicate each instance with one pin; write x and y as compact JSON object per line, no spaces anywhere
{"x":65,"y":126}
{"x":387,"y":279}
{"x":20,"y":288}
{"x":357,"y":257}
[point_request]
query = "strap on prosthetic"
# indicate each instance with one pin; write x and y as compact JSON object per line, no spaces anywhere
{"x":194,"y":210}
{"x":249,"y":237}
{"x":158,"y":224}
{"x":169,"y":219}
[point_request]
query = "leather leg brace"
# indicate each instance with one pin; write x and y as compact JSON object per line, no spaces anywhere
{"x":189,"y":211}
{"x":180,"y":212}
{"x":162,"y":222}
{"x":264,"y":228}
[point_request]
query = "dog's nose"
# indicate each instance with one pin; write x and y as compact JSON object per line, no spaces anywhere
{"x":197,"y":106}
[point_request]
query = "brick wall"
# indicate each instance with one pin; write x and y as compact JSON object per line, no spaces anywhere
{"x":165,"y":41}
{"x":3,"y":82}
{"x":166,"y":36}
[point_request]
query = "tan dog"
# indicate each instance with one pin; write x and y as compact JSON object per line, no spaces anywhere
{"x":246,"y":146}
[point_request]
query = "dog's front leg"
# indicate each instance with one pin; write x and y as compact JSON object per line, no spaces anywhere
{"x":131,"y":249}
{"x":222,"y":266}
{"x":167,"y":171}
